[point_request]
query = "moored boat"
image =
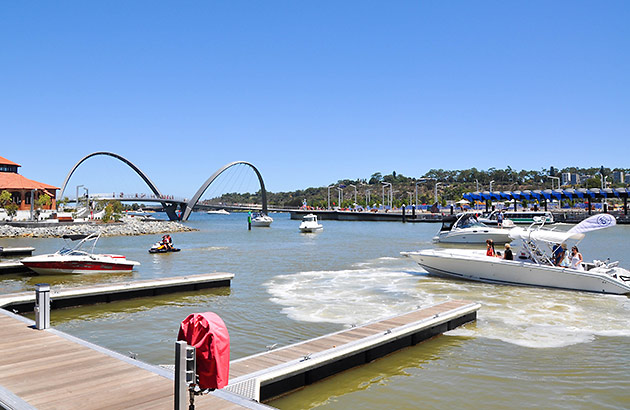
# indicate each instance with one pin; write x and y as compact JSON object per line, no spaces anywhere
{"x":261,"y":220}
{"x":310,"y":224}
{"x":76,"y":260}
{"x":465,"y":228}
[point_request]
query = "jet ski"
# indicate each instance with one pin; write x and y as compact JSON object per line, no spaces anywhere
{"x":162,"y":248}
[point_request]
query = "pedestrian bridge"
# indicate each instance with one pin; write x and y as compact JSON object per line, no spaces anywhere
{"x":176,"y":208}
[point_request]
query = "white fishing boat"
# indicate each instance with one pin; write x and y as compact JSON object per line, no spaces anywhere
{"x":218,"y":212}
{"x":261,"y":220}
{"x":310,"y":224}
{"x":76,"y":260}
{"x":465,"y":228}
{"x":533,"y":265}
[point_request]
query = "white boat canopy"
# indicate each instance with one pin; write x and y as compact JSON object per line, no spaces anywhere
{"x":544,"y":236}
{"x":592,"y":223}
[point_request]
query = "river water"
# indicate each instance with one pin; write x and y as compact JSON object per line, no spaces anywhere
{"x":529,"y":347}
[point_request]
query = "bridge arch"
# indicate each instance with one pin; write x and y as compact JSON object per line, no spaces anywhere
{"x":170,"y":208}
{"x":193,"y":201}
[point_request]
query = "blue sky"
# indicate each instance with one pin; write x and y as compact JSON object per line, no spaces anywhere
{"x":310,"y":92}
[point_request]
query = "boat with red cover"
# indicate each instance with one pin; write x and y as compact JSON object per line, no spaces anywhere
{"x":76,"y":260}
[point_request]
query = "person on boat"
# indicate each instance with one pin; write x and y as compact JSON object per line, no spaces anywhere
{"x":490,"y":248}
{"x":507,"y":255}
{"x":576,"y":259}
{"x":558,"y":253}
{"x":500,"y":219}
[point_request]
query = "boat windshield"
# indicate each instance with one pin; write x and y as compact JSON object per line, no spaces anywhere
{"x":469,"y":221}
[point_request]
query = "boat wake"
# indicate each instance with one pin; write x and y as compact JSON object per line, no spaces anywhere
{"x":524,"y":316}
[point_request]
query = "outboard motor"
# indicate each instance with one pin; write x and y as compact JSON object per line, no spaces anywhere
{"x":208,"y":335}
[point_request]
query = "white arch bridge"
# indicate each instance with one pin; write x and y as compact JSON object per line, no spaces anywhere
{"x":169,"y":203}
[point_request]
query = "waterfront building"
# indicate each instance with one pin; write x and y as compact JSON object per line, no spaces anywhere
{"x":23,"y":190}
{"x":566,"y":178}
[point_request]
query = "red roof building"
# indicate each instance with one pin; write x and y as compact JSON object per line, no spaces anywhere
{"x":23,"y":189}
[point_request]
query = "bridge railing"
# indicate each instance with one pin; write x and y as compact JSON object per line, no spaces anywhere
{"x":121,"y":196}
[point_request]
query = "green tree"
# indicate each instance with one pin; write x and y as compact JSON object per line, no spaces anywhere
{"x":6,"y":202}
{"x":43,"y":201}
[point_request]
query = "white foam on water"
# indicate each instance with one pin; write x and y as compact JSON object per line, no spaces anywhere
{"x":524,"y":316}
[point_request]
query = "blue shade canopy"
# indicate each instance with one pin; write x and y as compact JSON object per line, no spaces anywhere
{"x":549,"y":193}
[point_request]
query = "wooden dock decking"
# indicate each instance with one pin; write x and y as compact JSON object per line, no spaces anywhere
{"x":103,"y":293}
{"x":47,"y":369}
{"x":266,"y":375}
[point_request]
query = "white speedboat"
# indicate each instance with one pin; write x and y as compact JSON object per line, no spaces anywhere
{"x":465,"y":228}
{"x":531,"y":266}
{"x":261,"y":220}
{"x":310,"y":224}
{"x":218,"y":212}
{"x":75,"y":260}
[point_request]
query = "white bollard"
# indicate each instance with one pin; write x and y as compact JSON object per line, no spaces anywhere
{"x":42,"y":306}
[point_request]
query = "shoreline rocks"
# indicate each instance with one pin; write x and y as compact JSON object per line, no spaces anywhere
{"x":131,"y":227}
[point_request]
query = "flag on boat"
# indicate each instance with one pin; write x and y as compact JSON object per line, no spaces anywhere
{"x":593,"y":223}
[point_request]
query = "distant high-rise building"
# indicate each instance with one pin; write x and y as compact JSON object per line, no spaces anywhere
{"x":575,"y":179}
{"x":618,"y":176}
{"x":627,"y":179}
{"x":566,"y":178}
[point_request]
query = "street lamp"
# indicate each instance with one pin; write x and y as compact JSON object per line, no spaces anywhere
{"x":390,"y":190}
{"x":355,"y":192}
{"x":78,"y":186}
{"x":491,"y":182}
{"x":477,"y":182}
{"x":436,"y":185}
{"x":329,"y":196}
{"x":340,"y":192}
{"x":367,"y":198}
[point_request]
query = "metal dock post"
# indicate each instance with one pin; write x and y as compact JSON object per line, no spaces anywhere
{"x":42,"y":306}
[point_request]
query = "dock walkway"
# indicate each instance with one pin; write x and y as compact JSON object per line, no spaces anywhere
{"x":48,"y":369}
{"x":108,"y":292}
{"x":266,"y":375}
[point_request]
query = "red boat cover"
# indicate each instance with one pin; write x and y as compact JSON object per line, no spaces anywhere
{"x":208,"y":334}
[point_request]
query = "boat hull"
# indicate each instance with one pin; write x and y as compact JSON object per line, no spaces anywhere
{"x":51,"y":265}
{"x":311,"y":229}
{"x":476,"y":267}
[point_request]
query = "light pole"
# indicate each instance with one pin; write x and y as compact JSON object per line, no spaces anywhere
{"x":491,"y":182}
{"x":477,"y":182}
{"x":390,"y":193}
{"x":367,"y":198}
{"x":416,"y":202}
{"x":330,"y":186}
{"x":340,"y":192}
{"x":355,"y":192}
{"x":436,"y":185}
{"x":78,"y":186}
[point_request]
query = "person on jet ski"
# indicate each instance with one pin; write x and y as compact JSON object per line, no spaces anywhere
{"x":167,"y":242}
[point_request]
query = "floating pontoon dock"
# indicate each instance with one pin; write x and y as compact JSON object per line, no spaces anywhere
{"x":49,"y":369}
{"x":23,"y":251}
{"x":104,"y":293}
{"x":266,"y":375}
